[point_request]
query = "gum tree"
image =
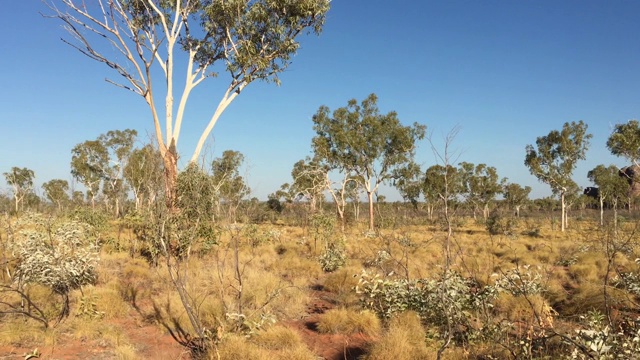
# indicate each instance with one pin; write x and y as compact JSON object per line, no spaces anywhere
{"x":87,"y":159}
{"x":309,"y":182}
{"x":56,"y":191}
{"x":167,"y":48}
{"x":229,"y":186}
{"x":515,"y":196}
{"x":21,"y":181}
{"x":143,"y":174}
{"x":555,"y":156}
{"x":611,"y":186}
{"x":441,"y":184}
{"x":480,"y":185}
{"x":102,"y":161}
{"x":408,"y":182}
{"x":625,"y":141}
{"x":368,"y":146}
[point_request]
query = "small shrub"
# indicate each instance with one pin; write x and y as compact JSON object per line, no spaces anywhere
{"x":449,"y":299}
{"x":596,"y":340}
{"x":498,"y":224}
{"x":518,"y":283}
{"x":333,"y":258}
{"x":60,"y":256}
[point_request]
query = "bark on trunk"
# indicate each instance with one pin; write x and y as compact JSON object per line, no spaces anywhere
{"x":370,"y":196}
{"x":601,"y":211}
{"x":340,"y":212}
{"x":171,"y":175}
{"x":564,"y":214}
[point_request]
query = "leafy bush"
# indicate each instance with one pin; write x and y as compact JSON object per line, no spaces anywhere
{"x":257,"y":237}
{"x":59,"y":256}
{"x":333,"y":258}
{"x":520,"y":283}
{"x":98,"y":220}
{"x":498,"y":224}
{"x":448,"y":302}
{"x":599,"y":341}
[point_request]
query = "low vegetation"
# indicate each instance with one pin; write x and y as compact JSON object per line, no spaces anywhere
{"x":506,"y":294}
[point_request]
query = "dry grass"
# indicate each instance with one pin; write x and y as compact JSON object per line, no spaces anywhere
{"x":342,"y":282}
{"x":19,"y":332}
{"x":404,"y":339}
{"x":347,"y":321}
{"x":126,"y":352}
{"x":281,"y":344}
{"x":525,"y":310}
{"x":277,"y":274}
{"x":278,"y":338}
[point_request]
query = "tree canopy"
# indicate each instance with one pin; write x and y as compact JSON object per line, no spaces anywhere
{"x":625,"y":141}
{"x":555,"y":157}
{"x":357,"y":139}
{"x":142,"y":39}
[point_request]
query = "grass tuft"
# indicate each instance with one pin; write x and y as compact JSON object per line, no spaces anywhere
{"x":347,"y":321}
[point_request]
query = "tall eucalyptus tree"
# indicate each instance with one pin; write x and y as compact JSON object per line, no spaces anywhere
{"x":555,"y":157}
{"x":167,"y":48}
{"x":368,"y":146}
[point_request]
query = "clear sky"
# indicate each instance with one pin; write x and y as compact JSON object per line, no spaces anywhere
{"x":505,"y":71}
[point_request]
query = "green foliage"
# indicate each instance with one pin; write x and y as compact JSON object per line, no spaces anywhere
{"x":333,"y":257}
{"x":520,"y":281}
{"x":143,"y":173}
{"x":625,"y":141}
{"x":555,"y":156}
{"x":516,"y":195}
{"x":440,"y":182}
{"x":447,"y":300}
{"x":498,"y":224}
{"x":229,"y":186}
{"x":629,"y":281}
{"x":597,"y":340}
{"x":195,"y":192}
{"x":363,"y":144}
{"x":256,"y":236}
{"x":100,"y":164}
{"x":56,"y":191}
{"x":21,"y":180}
{"x":409,"y":183}
{"x":611,"y":186}
{"x":309,"y":180}
{"x":480,"y":183}
{"x":274,"y":204}
{"x":98,"y":220}
{"x":322,"y":229}
{"x":62,"y":256}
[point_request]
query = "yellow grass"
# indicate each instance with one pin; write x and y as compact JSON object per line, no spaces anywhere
{"x":405,"y":339}
{"x":276,"y":277}
{"x":346,"y":321}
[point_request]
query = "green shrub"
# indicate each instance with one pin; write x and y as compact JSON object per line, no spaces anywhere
{"x":333,"y":258}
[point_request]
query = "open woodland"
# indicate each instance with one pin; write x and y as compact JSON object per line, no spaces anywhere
{"x":139,"y":258}
{"x":292,"y":285}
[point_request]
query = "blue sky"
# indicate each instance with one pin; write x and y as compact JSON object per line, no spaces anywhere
{"x":506,"y":72}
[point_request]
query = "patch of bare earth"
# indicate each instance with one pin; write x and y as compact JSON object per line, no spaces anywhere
{"x":327,"y":346}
